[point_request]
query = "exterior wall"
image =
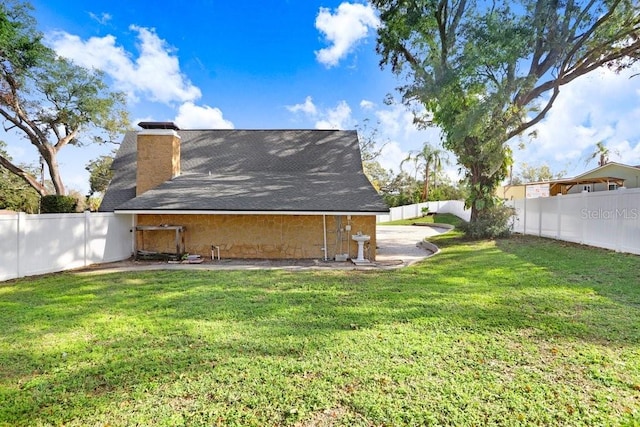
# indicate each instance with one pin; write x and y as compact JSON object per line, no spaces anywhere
{"x":260,"y":236}
{"x":158,"y":158}
{"x":511,"y":192}
{"x":631,"y":175}
{"x":577,"y":189}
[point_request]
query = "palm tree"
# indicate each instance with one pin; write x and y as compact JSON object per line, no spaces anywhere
{"x":429,"y":160}
{"x":601,"y":152}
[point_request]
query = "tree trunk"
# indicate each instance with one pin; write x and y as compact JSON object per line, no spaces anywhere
{"x":49,"y":154}
{"x":475,"y":180}
{"x":425,"y":188}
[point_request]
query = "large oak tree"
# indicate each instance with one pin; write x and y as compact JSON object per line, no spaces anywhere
{"x":487,"y":71}
{"x":49,"y":100}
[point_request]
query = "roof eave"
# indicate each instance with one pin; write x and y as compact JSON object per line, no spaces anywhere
{"x":242,"y":212}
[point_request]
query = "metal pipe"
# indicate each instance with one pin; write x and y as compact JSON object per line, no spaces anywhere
{"x":324,"y":225}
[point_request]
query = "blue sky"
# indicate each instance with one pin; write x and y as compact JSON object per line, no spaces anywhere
{"x":290,"y":64}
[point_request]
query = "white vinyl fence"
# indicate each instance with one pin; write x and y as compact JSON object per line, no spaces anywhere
{"x":606,"y":219}
{"x":38,"y":244}
{"x":455,"y":207}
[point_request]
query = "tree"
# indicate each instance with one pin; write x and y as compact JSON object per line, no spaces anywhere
{"x":429,"y":160}
{"x":370,"y":150}
{"x":377,"y":174}
{"x":100,"y":174}
{"x":601,"y":153}
{"x":447,"y":190}
{"x":48,"y":100}
{"x":531,"y":173}
{"x":15,"y":194}
{"x":401,"y":189}
{"x":488,"y":71}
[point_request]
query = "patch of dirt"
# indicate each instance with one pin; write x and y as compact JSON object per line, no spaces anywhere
{"x":326,"y":418}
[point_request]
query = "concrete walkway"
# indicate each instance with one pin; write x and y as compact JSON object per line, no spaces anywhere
{"x":398,"y":246}
{"x":399,"y":243}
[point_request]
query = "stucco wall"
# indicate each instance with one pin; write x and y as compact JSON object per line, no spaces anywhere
{"x":259,"y":236}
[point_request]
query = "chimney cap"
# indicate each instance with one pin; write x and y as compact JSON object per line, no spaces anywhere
{"x":158,"y":125}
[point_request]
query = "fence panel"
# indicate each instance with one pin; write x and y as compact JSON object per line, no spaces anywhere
{"x":571,"y":224}
{"x":606,"y":219}
{"x":38,"y":244}
{"x":455,"y":207}
{"x":532,"y":217}
{"x":628,"y":231}
{"x":548,"y":217}
{"x":9,"y":247}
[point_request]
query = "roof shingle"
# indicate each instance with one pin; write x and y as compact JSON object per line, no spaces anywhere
{"x":252,"y":170}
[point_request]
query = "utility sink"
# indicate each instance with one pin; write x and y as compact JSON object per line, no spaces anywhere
{"x":360,"y":238}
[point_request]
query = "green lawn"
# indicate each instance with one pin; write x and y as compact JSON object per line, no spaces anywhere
{"x":523,"y":331}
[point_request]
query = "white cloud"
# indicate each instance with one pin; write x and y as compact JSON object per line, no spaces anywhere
{"x":343,"y":30}
{"x":337,"y":118}
{"x":191,"y":116}
{"x":102,"y":18}
{"x":367,"y":105}
{"x":394,"y":129}
{"x":330,"y":118}
{"x":397,"y":123}
{"x":391,"y":156}
{"x":602,"y":106}
{"x":307,"y":107}
{"x":154,"y":74}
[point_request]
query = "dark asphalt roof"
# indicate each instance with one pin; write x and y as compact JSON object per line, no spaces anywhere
{"x":252,"y":170}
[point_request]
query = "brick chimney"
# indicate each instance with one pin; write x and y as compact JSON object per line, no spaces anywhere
{"x":158,"y":155}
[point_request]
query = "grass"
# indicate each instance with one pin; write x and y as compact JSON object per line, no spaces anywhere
{"x":428,"y":219}
{"x":523,"y":331}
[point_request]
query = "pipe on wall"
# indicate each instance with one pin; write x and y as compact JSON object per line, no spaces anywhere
{"x":324,"y":225}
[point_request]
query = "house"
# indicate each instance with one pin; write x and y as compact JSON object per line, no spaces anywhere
{"x":610,"y":176}
{"x":264,"y":194}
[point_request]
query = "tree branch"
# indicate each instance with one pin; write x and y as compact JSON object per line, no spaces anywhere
{"x":538,"y":117}
{"x":584,"y":37}
{"x":64,"y":141}
{"x":26,"y":177}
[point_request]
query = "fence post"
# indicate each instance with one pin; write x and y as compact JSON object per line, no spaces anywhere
{"x":539,"y":217}
{"x":559,"y":213}
{"x":619,"y":218}
{"x":87,"y":236}
{"x":583,"y":228}
{"x":21,"y":231}
{"x":524,"y":217}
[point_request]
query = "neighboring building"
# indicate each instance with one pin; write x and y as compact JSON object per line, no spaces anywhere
{"x":253,"y":193}
{"x":603,"y":178}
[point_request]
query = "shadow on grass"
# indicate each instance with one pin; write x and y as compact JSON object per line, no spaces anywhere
{"x":613,"y":275}
{"x":95,"y":337}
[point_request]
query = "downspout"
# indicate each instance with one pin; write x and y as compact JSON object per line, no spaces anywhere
{"x":134,"y":242}
{"x":324,"y":226}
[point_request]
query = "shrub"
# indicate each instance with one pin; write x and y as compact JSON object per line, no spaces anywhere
{"x":54,"y":203}
{"x":492,"y":222}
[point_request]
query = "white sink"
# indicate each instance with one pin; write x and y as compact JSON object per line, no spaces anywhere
{"x":360,"y":238}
